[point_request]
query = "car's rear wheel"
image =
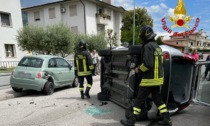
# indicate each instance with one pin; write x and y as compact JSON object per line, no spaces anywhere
{"x":17,"y":89}
{"x":76,"y":82}
{"x":48,"y":88}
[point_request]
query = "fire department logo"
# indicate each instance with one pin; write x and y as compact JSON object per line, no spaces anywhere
{"x":180,"y":20}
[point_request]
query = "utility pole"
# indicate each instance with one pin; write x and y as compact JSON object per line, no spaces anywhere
{"x":134,"y":18}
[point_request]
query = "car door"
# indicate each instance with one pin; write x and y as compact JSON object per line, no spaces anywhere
{"x":67,"y":73}
{"x":201,"y":86}
{"x":54,"y":71}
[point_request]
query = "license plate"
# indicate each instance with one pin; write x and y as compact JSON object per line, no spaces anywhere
{"x":24,"y":75}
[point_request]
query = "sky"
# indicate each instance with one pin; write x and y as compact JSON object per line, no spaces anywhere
{"x":158,"y":9}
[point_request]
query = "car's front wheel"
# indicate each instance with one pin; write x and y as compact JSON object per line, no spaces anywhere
{"x":48,"y":88}
{"x":17,"y":89}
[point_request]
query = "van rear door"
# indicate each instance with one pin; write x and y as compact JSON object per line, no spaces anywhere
{"x":201,"y":83}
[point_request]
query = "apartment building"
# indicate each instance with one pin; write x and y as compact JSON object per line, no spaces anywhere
{"x":82,"y":16}
{"x":10,"y":22}
{"x":197,"y":40}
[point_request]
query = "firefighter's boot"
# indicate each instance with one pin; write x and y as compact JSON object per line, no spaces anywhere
{"x":87,"y":92}
{"x":166,"y":121}
{"x":82,"y":94}
{"x":129,"y":122}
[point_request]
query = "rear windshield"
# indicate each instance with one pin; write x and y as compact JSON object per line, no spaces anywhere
{"x":31,"y":62}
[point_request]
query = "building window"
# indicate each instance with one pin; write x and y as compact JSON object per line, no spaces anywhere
{"x":74,"y":29}
{"x":100,"y":29}
{"x":51,"y":13}
{"x":73,"y":10}
{"x":5,"y":19}
{"x":36,"y":16}
{"x":191,"y":43}
{"x":109,"y":13}
{"x":177,"y":43}
{"x":10,"y":50}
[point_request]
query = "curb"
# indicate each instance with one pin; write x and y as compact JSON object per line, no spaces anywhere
{"x":16,"y":95}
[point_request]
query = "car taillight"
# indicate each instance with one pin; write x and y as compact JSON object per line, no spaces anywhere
{"x":39,"y":75}
{"x":166,"y":56}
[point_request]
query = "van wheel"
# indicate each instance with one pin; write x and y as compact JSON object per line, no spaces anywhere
{"x":48,"y":88}
{"x":17,"y":89}
{"x":105,"y":52}
{"x":134,"y":50}
{"x":103,"y":97}
{"x":76,"y":82}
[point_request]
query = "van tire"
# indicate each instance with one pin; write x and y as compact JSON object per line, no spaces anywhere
{"x":105,"y":52}
{"x":103,"y":97}
{"x":17,"y":89}
{"x":48,"y":88}
{"x":76,"y":82}
{"x":134,"y":50}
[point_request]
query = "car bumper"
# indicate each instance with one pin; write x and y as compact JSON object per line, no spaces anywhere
{"x":33,"y":84}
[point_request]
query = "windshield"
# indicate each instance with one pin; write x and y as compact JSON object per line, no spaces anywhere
{"x":31,"y":62}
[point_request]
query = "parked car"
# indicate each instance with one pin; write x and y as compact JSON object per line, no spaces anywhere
{"x":200,"y":55}
{"x":42,"y":73}
{"x":119,"y":83}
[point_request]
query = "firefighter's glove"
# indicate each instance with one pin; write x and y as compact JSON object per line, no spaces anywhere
{"x":75,"y":73}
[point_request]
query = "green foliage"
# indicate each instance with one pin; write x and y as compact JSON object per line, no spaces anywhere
{"x":141,"y":18}
{"x":159,"y":41}
{"x":56,"y":39}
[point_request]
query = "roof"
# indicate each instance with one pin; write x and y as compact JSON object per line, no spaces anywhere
{"x":172,"y":44}
{"x":120,"y":9}
{"x":180,"y":39}
{"x":41,"y":56}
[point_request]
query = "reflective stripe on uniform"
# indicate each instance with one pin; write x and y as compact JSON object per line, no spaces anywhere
{"x":143,"y":68}
{"x":151,"y":82}
{"x":136,"y":109}
{"x":77,"y":64}
{"x":163,"y":111}
{"x":89,"y":85}
{"x":84,"y":73}
{"x":162,"y":106}
{"x":156,"y":68}
{"x":84,"y":65}
{"x":91,"y":67}
{"x":81,"y":89}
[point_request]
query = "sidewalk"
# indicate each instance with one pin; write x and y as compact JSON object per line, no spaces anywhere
{"x":6,"y":92}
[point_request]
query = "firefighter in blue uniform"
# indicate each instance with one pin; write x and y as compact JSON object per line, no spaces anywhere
{"x":151,"y":69}
{"x":83,"y":66}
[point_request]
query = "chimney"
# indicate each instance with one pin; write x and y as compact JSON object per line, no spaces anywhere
{"x":107,"y":1}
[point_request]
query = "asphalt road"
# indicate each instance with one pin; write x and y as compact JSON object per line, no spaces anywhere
{"x":65,"y":108}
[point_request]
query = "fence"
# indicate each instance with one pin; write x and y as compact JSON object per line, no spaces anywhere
{"x":8,"y":64}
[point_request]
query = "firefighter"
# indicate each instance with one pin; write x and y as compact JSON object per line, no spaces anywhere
{"x":83,"y":68}
{"x":151,"y":70}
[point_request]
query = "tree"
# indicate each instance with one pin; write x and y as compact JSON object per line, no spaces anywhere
{"x":159,"y":41}
{"x":141,"y":18}
{"x":54,"y":39}
{"x":111,"y":38}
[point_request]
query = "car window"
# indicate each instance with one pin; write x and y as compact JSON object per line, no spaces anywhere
{"x":61,"y":63}
{"x":51,"y":63}
{"x":31,"y":62}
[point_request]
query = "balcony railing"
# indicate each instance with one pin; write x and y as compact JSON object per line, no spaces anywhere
{"x":102,"y":18}
{"x":8,"y":64}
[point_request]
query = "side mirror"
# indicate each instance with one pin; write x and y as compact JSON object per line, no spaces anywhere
{"x":70,"y":67}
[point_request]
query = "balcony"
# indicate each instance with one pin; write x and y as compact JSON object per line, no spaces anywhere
{"x":101,"y":19}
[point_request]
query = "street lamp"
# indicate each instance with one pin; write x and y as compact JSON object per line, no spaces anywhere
{"x":134,"y":18}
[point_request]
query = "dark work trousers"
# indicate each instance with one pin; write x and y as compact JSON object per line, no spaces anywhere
{"x":206,"y":71}
{"x":94,"y":70}
{"x":81,"y":81}
{"x":143,"y":94}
